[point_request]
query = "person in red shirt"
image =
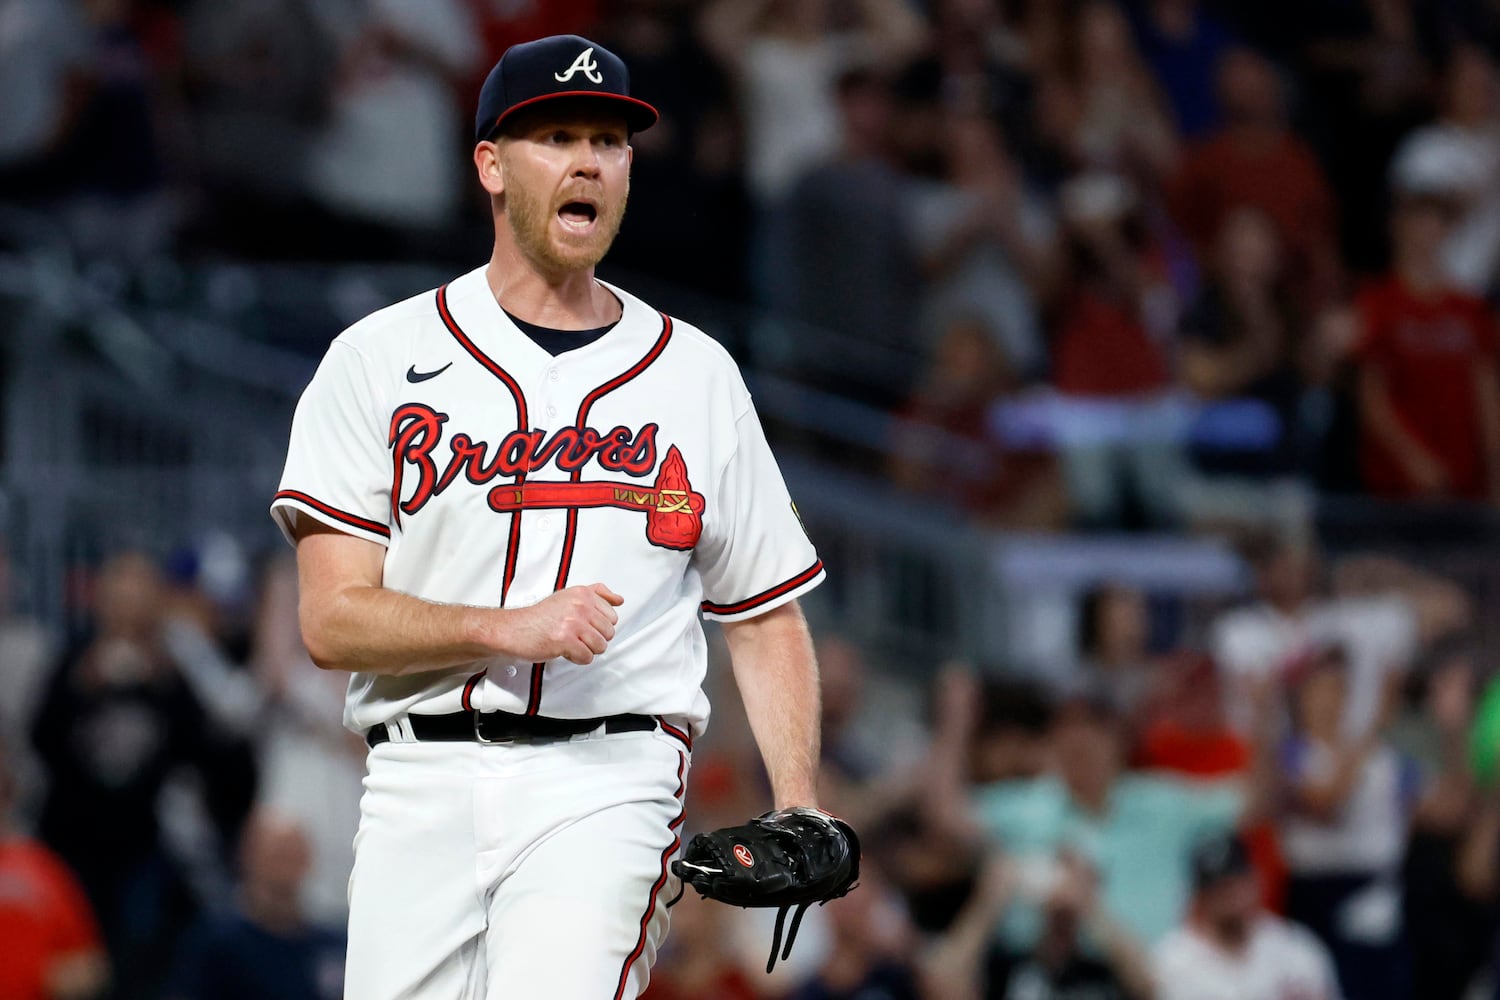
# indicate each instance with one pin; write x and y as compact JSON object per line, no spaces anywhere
{"x":1256,"y":160}
{"x":1114,"y":420}
{"x":49,"y":943}
{"x":1189,"y":734}
{"x":1429,"y":388}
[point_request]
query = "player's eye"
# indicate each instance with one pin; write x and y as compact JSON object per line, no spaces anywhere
{"x":558,"y":137}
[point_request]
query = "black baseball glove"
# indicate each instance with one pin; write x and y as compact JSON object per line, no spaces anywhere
{"x":788,"y":858}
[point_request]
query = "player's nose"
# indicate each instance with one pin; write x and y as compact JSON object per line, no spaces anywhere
{"x":585,"y":160}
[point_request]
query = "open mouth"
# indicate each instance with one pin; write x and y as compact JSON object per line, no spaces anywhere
{"x":578,"y":215}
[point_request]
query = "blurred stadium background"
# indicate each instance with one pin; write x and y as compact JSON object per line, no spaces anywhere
{"x":1133,"y":365}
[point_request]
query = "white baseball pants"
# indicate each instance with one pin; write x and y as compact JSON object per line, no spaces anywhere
{"x":514,"y":871}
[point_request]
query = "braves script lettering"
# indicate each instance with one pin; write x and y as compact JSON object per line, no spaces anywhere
{"x":417,"y":430}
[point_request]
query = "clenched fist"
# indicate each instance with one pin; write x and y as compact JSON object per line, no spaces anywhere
{"x":575,"y":624}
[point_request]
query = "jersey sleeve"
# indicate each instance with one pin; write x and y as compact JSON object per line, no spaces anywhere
{"x":337,"y":465}
{"x":755,"y":554}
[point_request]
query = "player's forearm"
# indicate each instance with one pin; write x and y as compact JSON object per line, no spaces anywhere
{"x":374,"y":630}
{"x":777,"y":675}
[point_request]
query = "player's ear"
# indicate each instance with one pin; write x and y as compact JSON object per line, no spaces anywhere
{"x":487,"y":164}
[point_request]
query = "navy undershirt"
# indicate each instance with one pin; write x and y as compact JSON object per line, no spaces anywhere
{"x":555,"y":342}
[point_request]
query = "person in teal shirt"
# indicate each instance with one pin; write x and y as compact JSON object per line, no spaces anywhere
{"x":1137,"y":829}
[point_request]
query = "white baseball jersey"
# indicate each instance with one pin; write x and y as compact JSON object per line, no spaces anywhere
{"x":495,"y":474}
{"x":1281,"y":961}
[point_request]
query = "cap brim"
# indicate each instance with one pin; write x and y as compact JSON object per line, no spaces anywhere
{"x":639,"y":115}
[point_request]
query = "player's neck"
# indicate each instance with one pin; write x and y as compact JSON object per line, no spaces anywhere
{"x":572,"y":300}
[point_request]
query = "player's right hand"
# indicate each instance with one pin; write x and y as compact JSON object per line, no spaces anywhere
{"x":575,"y":624}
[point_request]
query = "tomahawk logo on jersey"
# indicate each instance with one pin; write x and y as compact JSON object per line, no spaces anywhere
{"x":510,"y":473}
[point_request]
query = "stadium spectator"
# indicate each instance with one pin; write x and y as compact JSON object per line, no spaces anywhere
{"x":1229,"y":946}
{"x":946,"y":443}
{"x":1105,"y":103}
{"x":1255,"y":159}
{"x":119,"y":206}
{"x":396,"y":102}
{"x":988,"y":245}
{"x":1429,"y":387}
{"x":1116,"y":427}
{"x":931,"y":844}
{"x":1186,"y":730}
{"x":1239,"y":344}
{"x":52,"y":949}
{"x":1083,"y":953}
{"x":1137,"y":829}
{"x":869,"y":954}
{"x":1361,"y":77}
{"x":1011,"y":738}
{"x":841,"y":678}
{"x":1114,"y":638}
{"x":1351,"y":799}
{"x":311,"y":766}
{"x":1183,"y":43}
{"x":1451,"y":870}
{"x":1290,"y":614}
{"x":1459,"y":155}
{"x":857,"y":278}
{"x":971,"y":66}
{"x":114,"y":724}
{"x":266,"y":947}
{"x":689,"y":217}
{"x":787,"y":64}
{"x":258,"y":77}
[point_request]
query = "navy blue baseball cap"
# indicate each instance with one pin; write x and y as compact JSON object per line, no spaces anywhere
{"x":1218,"y":857}
{"x":555,"y":67}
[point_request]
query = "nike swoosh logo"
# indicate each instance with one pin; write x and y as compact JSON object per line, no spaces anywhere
{"x":412,"y":375}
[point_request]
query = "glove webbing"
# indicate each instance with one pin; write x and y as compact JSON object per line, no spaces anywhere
{"x":791,"y":933}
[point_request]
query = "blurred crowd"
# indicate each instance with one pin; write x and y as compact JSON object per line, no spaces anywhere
{"x":1290,"y":797}
{"x":1296,"y":794}
{"x":177,"y":794}
{"x":1098,"y":264}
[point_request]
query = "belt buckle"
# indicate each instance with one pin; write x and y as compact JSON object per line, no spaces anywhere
{"x":479,"y":732}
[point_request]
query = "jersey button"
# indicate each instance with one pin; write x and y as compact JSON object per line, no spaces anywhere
{"x":551,"y":411}
{"x":510,"y":671}
{"x":545,"y":523}
{"x":553,"y":375}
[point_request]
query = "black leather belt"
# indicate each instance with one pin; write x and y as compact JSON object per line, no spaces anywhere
{"x":507,"y":727}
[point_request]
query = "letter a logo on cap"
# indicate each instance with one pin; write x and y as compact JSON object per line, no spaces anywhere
{"x":584,"y":64}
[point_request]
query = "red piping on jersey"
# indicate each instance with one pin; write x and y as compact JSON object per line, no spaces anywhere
{"x":765,"y":596}
{"x":523,"y":423}
{"x":582,"y":422}
{"x":671,"y":730}
{"x":570,"y":535}
{"x":661,"y":880}
{"x":354,"y":521}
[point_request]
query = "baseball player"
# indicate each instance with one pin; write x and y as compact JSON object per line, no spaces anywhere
{"x":512,"y":499}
